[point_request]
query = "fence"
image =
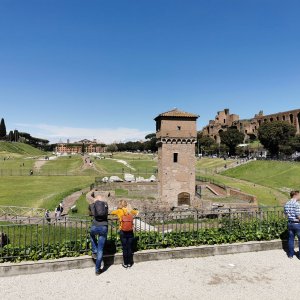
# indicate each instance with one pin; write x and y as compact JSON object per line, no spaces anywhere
{"x":212,"y":181}
{"x":38,"y":239}
{"x":147,"y":172}
{"x":7,"y":212}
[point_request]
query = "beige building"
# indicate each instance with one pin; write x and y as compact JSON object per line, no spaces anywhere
{"x":176,"y":134}
{"x":77,"y":147}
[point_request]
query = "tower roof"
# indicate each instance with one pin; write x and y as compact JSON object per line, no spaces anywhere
{"x":176,"y":113}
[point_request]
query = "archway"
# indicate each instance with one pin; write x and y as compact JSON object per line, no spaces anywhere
{"x":184,"y":199}
{"x":292,"y":118}
{"x":298,"y":118}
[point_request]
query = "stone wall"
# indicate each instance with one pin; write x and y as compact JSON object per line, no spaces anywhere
{"x":249,"y":126}
{"x":246,"y":197}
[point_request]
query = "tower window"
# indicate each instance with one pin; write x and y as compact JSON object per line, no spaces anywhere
{"x":178,"y":127}
{"x":175,"y":157}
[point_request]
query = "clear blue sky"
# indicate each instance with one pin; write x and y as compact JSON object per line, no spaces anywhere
{"x":69,"y":66}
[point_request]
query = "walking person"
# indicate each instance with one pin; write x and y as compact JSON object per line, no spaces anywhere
{"x":125,"y":215}
{"x":99,"y":230}
{"x":47,"y":215}
{"x":292,"y":211}
{"x":58,"y":211}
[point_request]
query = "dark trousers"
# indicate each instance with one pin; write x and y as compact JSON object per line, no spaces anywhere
{"x":127,"y":241}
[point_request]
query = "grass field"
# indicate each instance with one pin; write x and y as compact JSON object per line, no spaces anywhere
{"x":63,"y":165}
{"x":275,"y":174}
{"x":15,"y":149}
{"x":82,"y":207}
{"x":39,"y":191}
{"x":207,"y":165}
{"x":16,"y":164}
{"x":113,"y":167}
{"x":267,"y":180}
{"x":266,"y":196}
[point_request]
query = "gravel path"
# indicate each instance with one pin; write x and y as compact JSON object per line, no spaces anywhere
{"x":261,"y":275}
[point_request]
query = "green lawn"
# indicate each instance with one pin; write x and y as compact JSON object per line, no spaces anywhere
{"x":275,"y":174}
{"x":82,"y":207}
{"x":110,"y":167}
{"x":39,"y":191}
{"x":266,"y":196}
{"x":63,"y":165}
{"x":16,"y":166}
{"x":11,"y":149}
{"x":207,"y":165}
{"x":133,"y":156}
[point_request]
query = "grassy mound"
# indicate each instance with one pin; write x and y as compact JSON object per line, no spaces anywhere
{"x":7,"y":148}
{"x":275,"y":174}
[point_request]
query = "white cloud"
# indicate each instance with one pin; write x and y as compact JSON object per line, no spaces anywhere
{"x":107,"y":135}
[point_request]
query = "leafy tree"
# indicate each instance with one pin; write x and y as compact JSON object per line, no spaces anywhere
{"x":150,"y":144}
{"x":272,"y":135}
{"x":2,"y":129}
{"x":112,"y":148}
{"x":295,"y":143}
{"x":231,"y":138}
{"x":205,"y":141}
{"x":150,"y":136}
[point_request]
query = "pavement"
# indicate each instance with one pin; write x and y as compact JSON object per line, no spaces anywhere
{"x":255,"y":275}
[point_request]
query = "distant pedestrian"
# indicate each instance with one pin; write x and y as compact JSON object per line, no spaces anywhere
{"x":99,"y":230}
{"x":47,"y":216}
{"x":31,"y":172}
{"x":292,"y":211}
{"x":58,"y":211}
{"x":125,"y":215}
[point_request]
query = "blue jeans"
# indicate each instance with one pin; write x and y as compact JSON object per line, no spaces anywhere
{"x":98,"y":244}
{"x":294,"y":230}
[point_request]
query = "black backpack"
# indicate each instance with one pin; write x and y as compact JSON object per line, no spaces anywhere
{"x":100,"y":210}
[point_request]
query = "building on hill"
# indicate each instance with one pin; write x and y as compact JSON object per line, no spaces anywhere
{"x":83,"y":146}
{"x":249,"y":127}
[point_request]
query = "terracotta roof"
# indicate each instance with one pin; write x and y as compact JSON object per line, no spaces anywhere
{"x":177,"y":113}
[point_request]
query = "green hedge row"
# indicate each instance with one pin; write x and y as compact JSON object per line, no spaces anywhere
{"x":229,"y":231}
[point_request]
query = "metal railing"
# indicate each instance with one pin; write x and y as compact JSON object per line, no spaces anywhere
{"x":212,"y":181}
{"x":71,"y":172}
{"x":7,"y":212}
{"x":39,"y":239}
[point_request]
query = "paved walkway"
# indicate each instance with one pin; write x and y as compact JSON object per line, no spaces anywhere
{"x":261,"y":275}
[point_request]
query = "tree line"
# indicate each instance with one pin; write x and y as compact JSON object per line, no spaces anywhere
{"x":148,"y":145}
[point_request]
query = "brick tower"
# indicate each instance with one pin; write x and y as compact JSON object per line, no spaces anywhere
{"x":176,"y":134}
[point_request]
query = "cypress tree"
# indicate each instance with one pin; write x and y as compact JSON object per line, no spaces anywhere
{"x":11,"y":136}
{"x":2,"y":129}
{"x":16,"y":136}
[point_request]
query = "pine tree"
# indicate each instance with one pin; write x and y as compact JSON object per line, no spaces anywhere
{"x":2,"y":129}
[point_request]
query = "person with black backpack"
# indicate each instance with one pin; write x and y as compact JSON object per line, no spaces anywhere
{"x":99,"y":229}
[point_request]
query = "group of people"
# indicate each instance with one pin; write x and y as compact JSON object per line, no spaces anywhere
{"x":57,"y":213}
{"x":99,"y":229}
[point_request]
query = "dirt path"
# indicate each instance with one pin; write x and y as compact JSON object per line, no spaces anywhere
{"x":39,"y":164}
{"x":70,"y":200}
